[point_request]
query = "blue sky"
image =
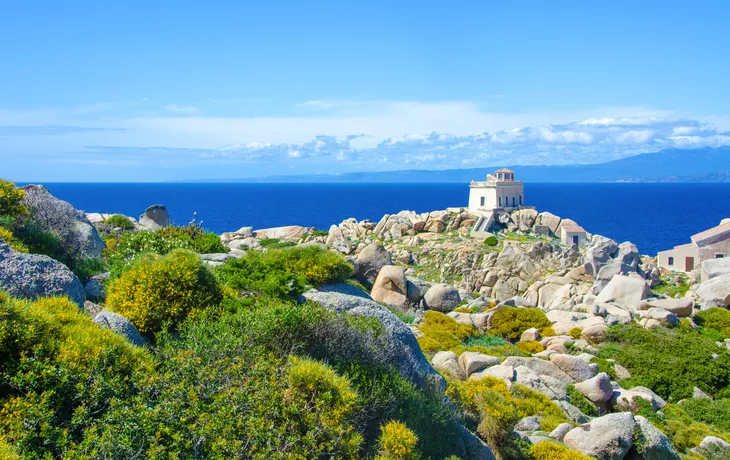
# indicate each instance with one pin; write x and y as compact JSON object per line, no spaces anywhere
{"x":128,"y":91}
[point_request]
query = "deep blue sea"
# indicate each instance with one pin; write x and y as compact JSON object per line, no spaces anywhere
{"x":654,"y":216}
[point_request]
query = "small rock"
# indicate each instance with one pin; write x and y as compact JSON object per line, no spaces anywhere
{"x":120,"y":325}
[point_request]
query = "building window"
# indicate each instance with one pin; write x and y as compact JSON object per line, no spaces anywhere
{"x":520,"y":200}
{"x":719,"y":256}
{"x":671,"y":261}
{"x":500,"y":201}
{"x":513,"y":202}
{"x":482,"y":201}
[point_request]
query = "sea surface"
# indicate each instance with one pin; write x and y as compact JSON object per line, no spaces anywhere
{"x":654,"y":216}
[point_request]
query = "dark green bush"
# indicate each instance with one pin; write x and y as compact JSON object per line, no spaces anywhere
{"x":511,"y":322}
{"x":258,"y":272}
{"x":714,"y":413}
{"x":317,"y":265}
{"x":715,"y":319}
{"x":669,"y":361}
{"x":276,"y":243}
{"x":120,"y":221}
{"x":577,"y":399}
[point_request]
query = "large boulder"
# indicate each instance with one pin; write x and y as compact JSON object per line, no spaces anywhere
{"x":599,"y":253}
{"x":524,"y":218}
{"x":715,"y":292}
{"x":155,"y":217}
{"x":471,"y":362}
{"x":289,"y":232}
{"x":403,"y":350}
{"x":713,"y":268}
{"x":32,"y":276}
{"x":549,"y":220}
{"x":441,"y":297}
{"x":120,"y":325}
{"x":654,"y":444}
{"x":446,"y":362}
{"x":575,"y":367}
{"x":597,"y":389}
{"x":417,"y":289}
{"x":681,"y":307}
{"x":713,"y":447}
{"x":607,"y":438}
{"x":371,"y":260}
{"x":628,"y":254}
{"x":76,"y":234}
{"x":627,"y":291}
{"x":606,"y":274}
{"x":391,"y":286}
{"x":540,"y":367}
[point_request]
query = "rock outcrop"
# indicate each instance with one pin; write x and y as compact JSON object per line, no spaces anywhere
{"x":120,"y":325}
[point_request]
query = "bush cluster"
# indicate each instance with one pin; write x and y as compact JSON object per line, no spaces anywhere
{"x":123,"y":251}
{"x":160,"y":291}
{"x":577,"y":399}
{"x":14,"y":243}
{"x":397,"y":442}
{"x":715,"y":320}
{"x":533,"y":346}
{"x":11,"y":200}
{"x":669,"y":361}
{"x":552,"y":451}
{"x":441,"y":332}
{"x":120,"y":221}
{"x":494,"y":410}
{"x":511,"y":322}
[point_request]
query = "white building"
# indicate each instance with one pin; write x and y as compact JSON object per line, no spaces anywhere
{"x":713,"y":243}
{"x":499,"y":191}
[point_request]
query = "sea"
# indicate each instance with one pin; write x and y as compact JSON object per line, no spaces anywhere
{"x":654,"y":216}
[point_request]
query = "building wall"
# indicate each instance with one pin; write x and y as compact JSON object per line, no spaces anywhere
{"x":680,"y":254}
{"x":507,"y":192}
{"x":489,"y":194}
{"x":567,"y":237}
{"x":720,"y":247}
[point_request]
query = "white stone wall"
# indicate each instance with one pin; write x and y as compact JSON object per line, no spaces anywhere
{"x":488,"y":193}
{"x":680,"y":254}
{"x":567,"y":237}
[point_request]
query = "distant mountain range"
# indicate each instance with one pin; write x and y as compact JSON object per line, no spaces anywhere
{"x":671,"y":165}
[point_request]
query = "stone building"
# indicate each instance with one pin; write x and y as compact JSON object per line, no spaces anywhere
{"x":713,"y":243}
{"x":499,"y":191}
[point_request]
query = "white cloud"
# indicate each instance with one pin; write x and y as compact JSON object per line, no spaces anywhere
{"x":181,"y":109}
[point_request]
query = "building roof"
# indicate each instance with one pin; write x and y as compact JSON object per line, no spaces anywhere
{"x":714,"y":231}
{"x":573,"y":229}
{"x":504,"y":170}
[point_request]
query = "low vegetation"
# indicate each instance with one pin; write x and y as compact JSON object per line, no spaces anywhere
{"x":120,"y":221}
{"x":511,"y":322}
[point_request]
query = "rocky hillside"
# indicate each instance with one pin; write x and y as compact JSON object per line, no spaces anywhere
{"x":411,"y":337}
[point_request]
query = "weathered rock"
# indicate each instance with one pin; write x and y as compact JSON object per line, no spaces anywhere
{"x":628,"y":254}
{"x":289,"y":232}
{"x":549,"y":220}
{"x":594,"y":334}
{"x":417,"y":288}
{"x":713,"y":448}
{"x":447,"y":362}
{"x":120,"y":325}
{"x":624,"y":399}
{"x":606,"y":274}
{"x":699,"y":394}
{"x":681,"y":307}
{"x":545,"y":384}
{"x":506,"y":373}
{"x":390,"y":287}
{"x":371,"y":260}
{"x":530,"y":335}
{"x":624,"y":290}
{"x":92,"y":309}
{"x":524,"y":218}
{"x":654,"y":444}
{"x":598,"y":254}
{"x":77,"y":235}
{"x":528,"y":424}
{"x":655,"y":317}
{"x":403,"y":349}
{"x":560,"y":431}
{"x":345,"y":288}
{"x":441,"y":297}
{"x":715,"y":292}
{"x":713,"y":268}
{"x":607,"y":438}
{"x":597,"y":389}
{"x":154,"y":217}
{"x":574,"y":366}
{"x":94,"y":288}
{"x":472,"y":362}
{"x":540,"y":367}
{"x":573,"y":414}
{"x":32,"y":276}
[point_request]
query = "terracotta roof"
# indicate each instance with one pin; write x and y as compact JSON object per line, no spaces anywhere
{"x":504,"y":170}
{"x":573,"y":228}
{"x":722,"y":228}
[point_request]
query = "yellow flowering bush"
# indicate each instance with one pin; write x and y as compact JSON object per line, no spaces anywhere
{"x":327,"y":401}
{"x":575,"y":333}
{"x":546,"y":450}
{"x":60,"y":372}
{"x":397,"y":442}
{"x":511,"y":322}
{"x":318,"y":266}
{"x":11,"y":204}
{"x":7,"y":236}
{"x":441,"y":332}
{"x":533,"y":346}
{"x":161,"y":291}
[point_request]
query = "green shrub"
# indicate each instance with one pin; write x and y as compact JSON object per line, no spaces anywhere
{"x":669,"y":361}
{"x":546,"y":450}
{"x":511,"y":322}
{"x":14,"y":243}
{"x":317,"y":265}
{"x":86,"y":268}
{"x":605,"y":366}
{"x":577,"y":399}
{"x":320,"y":233}
{"x":714,"y":413}
{"x":120,"y":221}
{"x":491,"y":241}
{"x":163,"y":290}
{"x":484,"y":340}
{"x":715,"y":319}
{"x":131,"y":245}
{"x":575,"y":333}
{"x":684,"y":431}
{"x":397,"y":442}
{"x":11,"y":200}
{"x":61,"y":373}
{"x":441,"y":332}
{"x":260,"y":273}
{"x":276,"y":243}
